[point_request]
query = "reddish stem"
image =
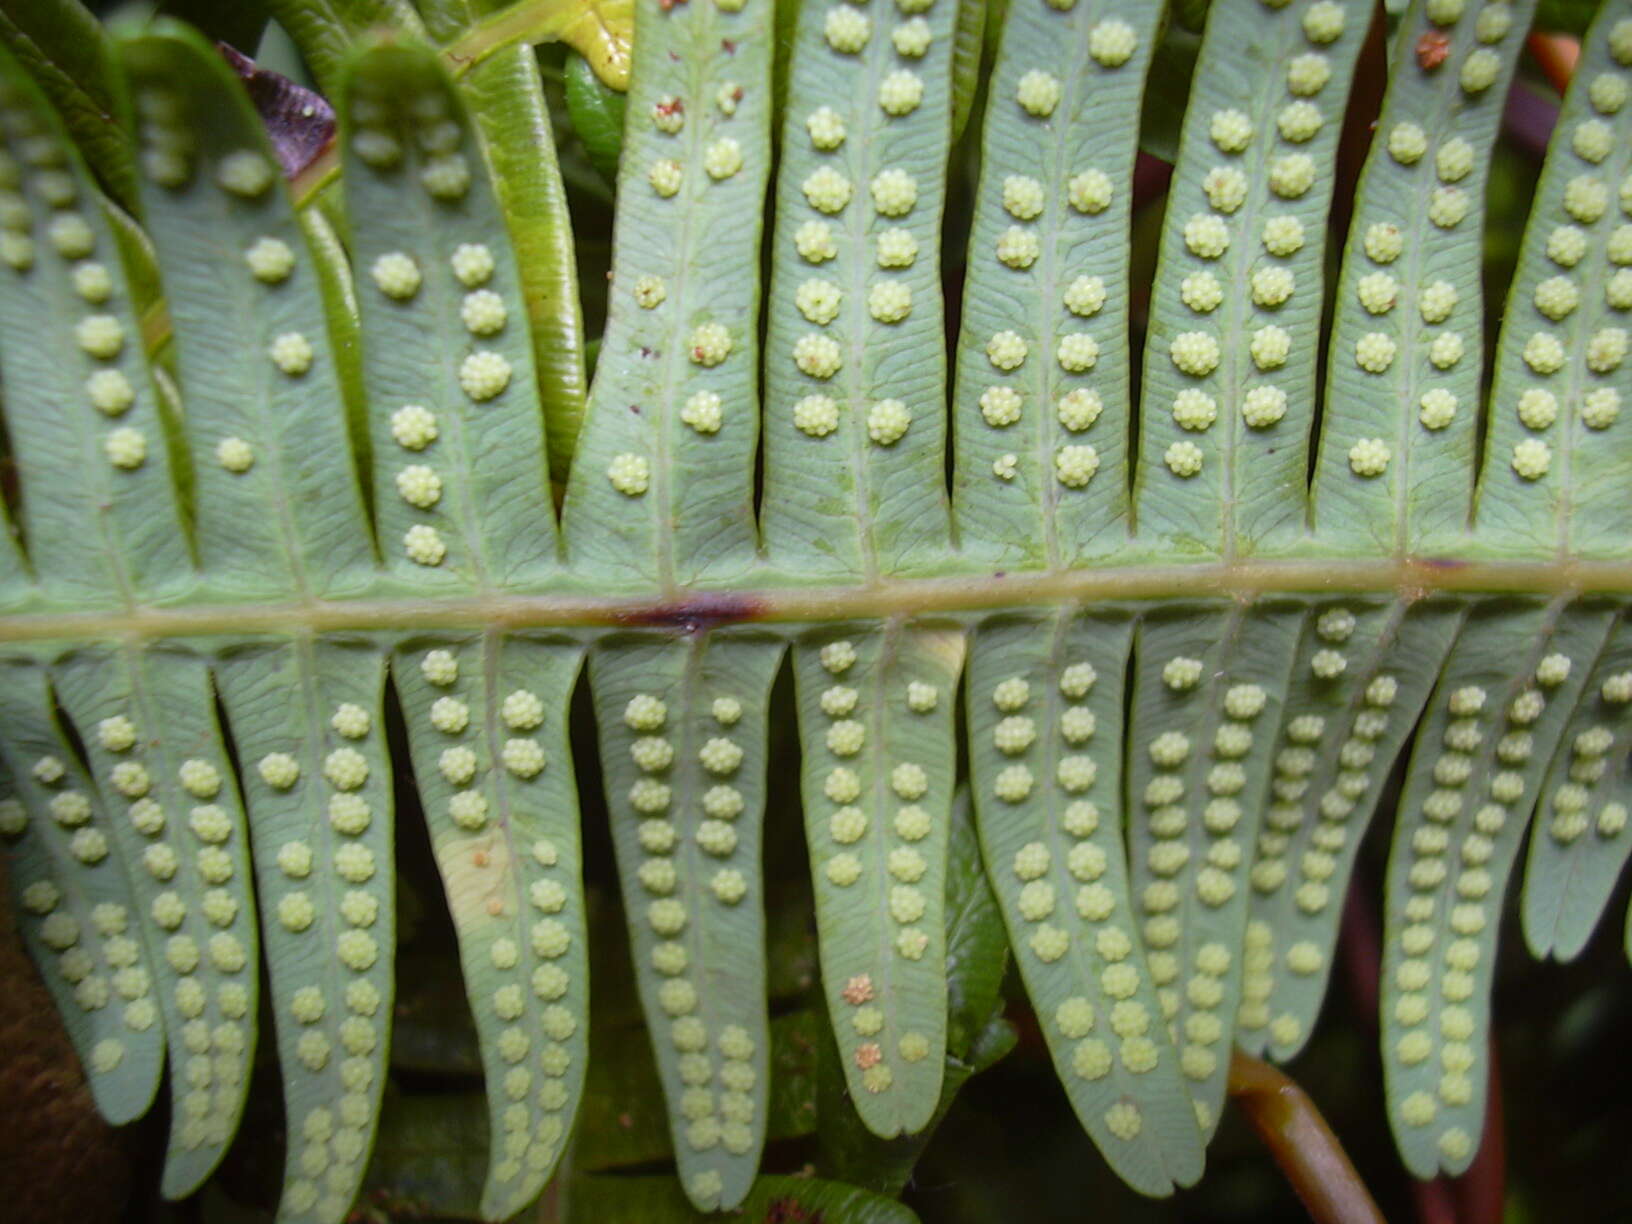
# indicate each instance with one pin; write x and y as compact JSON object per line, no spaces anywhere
{"x":1302,"y":1143}
{"x":1479,"y":1191}
{"x":1556,"y":56}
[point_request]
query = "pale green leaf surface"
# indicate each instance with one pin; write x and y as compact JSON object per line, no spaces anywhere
{"x":1498,"y":708}
{"x":1580,"y":845}
{"x":1021,"y":496}
{"x":99,"y":1022}
{"x":1420,"y":202}
{"x":977,"y":957}
{"x":1339,"y":738}
{"x":1045,"y":728}
{"x":506,"y":100}
{"x":862,"y":498}
{"x":65,"y":50}
{"x":661,"y":492}
{"x":461,"y":495}
{"x":1556,"y":466}
{"x":682,"y":728}
{"x":324,"y":864}
{"x":112,"y":534}
{"x":1235,"y":314}
{"x":875,"y":719}
{"x":1208,"y":685}
{"x":293,"y":520}
{"x":488,"y":738}
{"x":188,"y":845}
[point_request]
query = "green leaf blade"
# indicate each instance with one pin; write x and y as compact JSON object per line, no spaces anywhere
{"x":1064,"y":839}
{"x":1209,"y":683}
{"x":661,"y":487}
{"x":278,"y":505}
{"x":1498,"y":709}
{"x":304,"y":716}
{"x":1040,"y":452}
{"x":1228,"y":392}
{"x":683,"y":748}
{"x":1555,"y":467}
{"x":1341,"y":735}
{"x":1578,"y":849}
{"x":870,"y":454}
{"x":875,"y":717}
{"x":1398,"y":445}
{"x":120,"y":1043}
{"x":455,"y":430}
{"x":108,"y":530}
{"x":486,"y":721}
{"x":185,"y":846}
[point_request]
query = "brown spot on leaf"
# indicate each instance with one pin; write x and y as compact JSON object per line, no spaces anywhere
{"x":695,"y":613}
{"x":1432,"y":48}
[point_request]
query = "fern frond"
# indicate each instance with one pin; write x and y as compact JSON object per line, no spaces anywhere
{"x":1578,"y":849}
{"x":486,"y":719}
{"x":1497,"y":711}
{"x":80,"y":918}
{"x":661,"y":488}
{"x":1229,"y":368}
{"x":1045,"y":730}
{"x":855,"y":363}
{"x":683,"y":751}
{"x":875,"y":722}
{"x":1040,"y":450}
{"x":277,"y":507}
{"x":1398,"y":442}
{"x":1554,"y":476}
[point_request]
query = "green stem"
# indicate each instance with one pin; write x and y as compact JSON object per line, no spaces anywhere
{"x":767,"y":603}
